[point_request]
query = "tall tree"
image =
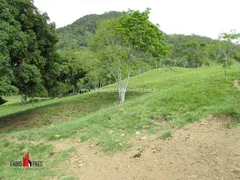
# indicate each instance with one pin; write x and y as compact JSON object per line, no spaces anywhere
{"x":7,"y":31}
{"x":28,"y":41}
{"x":122,"y":43}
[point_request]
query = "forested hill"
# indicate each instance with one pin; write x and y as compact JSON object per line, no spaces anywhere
{"x":76,"y":34}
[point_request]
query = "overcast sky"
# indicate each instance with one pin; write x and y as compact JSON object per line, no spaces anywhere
{"x":202,"y":17}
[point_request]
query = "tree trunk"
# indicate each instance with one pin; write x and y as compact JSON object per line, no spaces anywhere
{"x":24,"y":98}
{"x":225,"y":70}
{"x":121,"y":94}
{"x":122,"y":88}
{"x":225,"y":73}
{"x":33,"y":101}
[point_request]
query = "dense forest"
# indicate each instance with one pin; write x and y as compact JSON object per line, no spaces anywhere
{"x":39,"y":60}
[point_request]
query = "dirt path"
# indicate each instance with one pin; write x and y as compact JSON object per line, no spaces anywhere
{"x":204,"y":150}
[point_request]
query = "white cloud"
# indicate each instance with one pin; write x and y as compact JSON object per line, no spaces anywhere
{"x":203,"y":17}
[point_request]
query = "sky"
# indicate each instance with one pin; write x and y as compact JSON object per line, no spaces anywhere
{"x":201,"y":17}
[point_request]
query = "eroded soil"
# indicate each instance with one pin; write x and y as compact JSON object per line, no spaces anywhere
{"x":203,"y":150}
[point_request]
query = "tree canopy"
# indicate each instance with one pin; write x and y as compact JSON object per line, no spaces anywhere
{"x":28,"y":51}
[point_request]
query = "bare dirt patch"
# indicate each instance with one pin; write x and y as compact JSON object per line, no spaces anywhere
{"x":64,"y":144}
{"x":203,"y":150}
{"x":237,"y":84}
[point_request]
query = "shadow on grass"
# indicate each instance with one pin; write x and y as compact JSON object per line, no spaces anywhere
{"x":59,"y":111}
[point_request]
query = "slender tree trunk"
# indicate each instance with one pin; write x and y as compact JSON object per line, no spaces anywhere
{"x":225,"y":70}
{"x":24,"y":98}
{"x":225,"y":73}
{"x":121,"y":94}
{"x":33,"y":102}
{"x":122,"y":88}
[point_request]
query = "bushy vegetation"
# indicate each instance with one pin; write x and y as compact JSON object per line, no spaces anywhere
{"x":196,"y":51}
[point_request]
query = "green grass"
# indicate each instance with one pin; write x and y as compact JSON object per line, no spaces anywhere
{"x":13,"y":151}
{"x":183,"y":96}
{"x":18,"y":116}
{"x":166,"y":135}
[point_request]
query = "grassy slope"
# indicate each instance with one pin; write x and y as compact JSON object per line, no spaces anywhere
{"x":17,"y":116}
{"x":184,"y":96}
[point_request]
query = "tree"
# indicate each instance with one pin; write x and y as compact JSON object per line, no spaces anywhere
{"x":6,"y":31}
{"x":28,"y":51}
{"x":121,"y":43}
{"x":194,"y":53}
{"x":6,"y":75}
{"x":72,"y":69}
{"x":227,"y":41}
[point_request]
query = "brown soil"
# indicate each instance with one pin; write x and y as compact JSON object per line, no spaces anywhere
{"x":203,"y":150}
{"x":236,"y":84}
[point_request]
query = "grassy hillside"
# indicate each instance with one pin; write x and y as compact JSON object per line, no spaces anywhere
{"x":182,"y":96}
